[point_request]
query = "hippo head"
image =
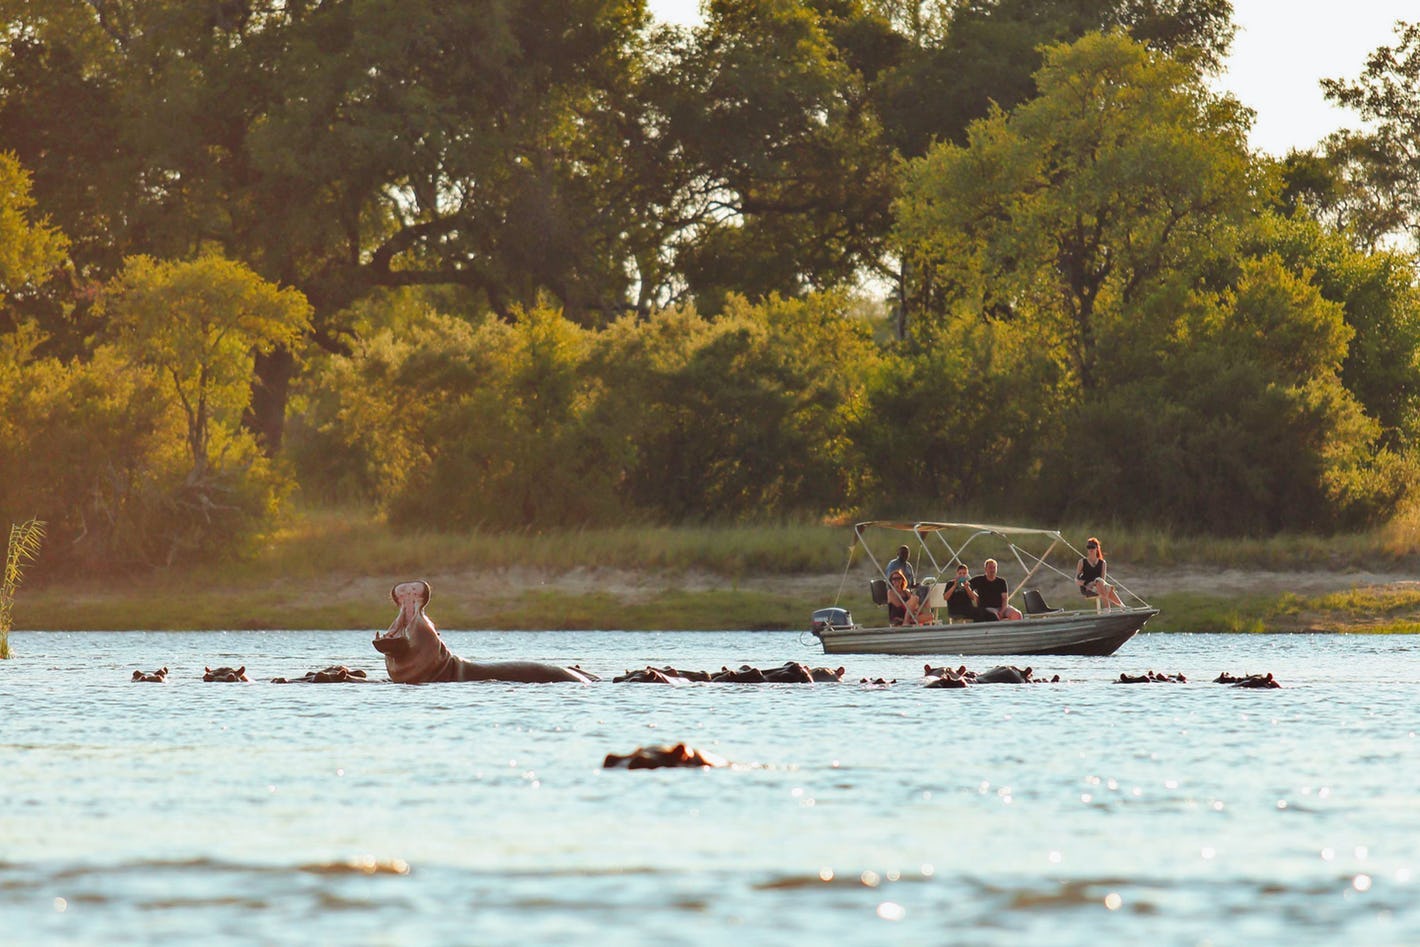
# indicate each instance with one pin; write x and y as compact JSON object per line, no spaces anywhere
{"x":410,"y":598}
{"x":412,"y":647}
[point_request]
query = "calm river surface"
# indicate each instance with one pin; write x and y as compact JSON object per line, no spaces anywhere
{"x":480,"y":813}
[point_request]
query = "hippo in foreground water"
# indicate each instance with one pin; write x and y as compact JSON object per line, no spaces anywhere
{"x":664,"y":755}
{"x":415,"y":654}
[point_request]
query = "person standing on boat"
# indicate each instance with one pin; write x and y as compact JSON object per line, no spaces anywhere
{"x":1092,"y":576}
{"x":992,"y":592}
{"x":901,"y":564}
{"x":964,"y":602}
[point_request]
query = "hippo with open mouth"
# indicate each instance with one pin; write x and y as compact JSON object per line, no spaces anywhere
{"x":415,"y":654}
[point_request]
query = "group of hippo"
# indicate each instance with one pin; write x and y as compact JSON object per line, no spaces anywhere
{"x":415,"y":654}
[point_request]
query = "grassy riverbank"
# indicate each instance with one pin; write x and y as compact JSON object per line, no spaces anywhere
{"x":333,"y":569}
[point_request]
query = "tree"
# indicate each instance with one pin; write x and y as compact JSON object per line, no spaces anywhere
{"x":446,"y":424}
{"x":97,"y":451}
{"x":337,"y":147}
{"x":1386,"y":158}
{"x":1099,"y":251}
{"x":1348,"y":185}
{"x":1240,"y":426}
{"x":30,"y":249}
{"x":1114,"y":185}
{"x":750,"y":413}
{"x":958,"y":59}
{"x":197,"y":327}
{"x":783,"y":180}
{"x":199,"y":324}
{"x":1379,"y":301}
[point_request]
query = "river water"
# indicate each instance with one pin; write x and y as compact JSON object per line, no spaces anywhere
{"x":858,"y":814}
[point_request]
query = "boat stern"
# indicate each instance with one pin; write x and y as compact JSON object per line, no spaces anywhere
{"x":825,"y":619}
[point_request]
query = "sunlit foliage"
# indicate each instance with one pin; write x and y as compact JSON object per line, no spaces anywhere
{"x":1097,"y":232}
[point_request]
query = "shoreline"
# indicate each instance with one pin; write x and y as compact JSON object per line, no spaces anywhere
{"x":1191,"y":599}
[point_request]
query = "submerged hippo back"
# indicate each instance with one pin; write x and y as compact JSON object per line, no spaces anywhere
{"x":527,"y":672}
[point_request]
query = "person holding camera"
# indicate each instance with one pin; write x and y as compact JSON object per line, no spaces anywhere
{"x":963,"y":601}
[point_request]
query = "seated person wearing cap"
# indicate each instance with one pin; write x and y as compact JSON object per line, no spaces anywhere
{"x":992,"y":592}
{"x":964,"y":601}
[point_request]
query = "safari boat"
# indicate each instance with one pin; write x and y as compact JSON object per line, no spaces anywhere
{"x":1038,"y":565}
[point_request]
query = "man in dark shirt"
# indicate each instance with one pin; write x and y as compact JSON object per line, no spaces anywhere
{"x":964,"y":601}
{"x":992,"y":592}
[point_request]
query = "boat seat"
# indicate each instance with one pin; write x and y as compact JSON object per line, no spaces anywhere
{"x":879,"y":589}
{"x":1035,"y":603}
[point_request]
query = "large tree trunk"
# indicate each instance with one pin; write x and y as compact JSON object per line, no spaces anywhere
{"x":266,"y":418}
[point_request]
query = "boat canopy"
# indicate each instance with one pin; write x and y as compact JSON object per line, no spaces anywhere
{"x":945,"y":544}
{"x":926,"y":528}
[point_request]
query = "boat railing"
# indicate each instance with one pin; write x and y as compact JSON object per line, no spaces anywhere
{"x":952,"y":541}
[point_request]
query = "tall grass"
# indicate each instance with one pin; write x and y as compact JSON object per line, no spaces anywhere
{"x":318,"y":542}
{"x":1396,"y":544}
{"x":23,"y":547}
{"x":328,"y":568}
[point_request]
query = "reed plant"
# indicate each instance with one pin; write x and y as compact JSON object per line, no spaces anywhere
{"x":23,"y":547}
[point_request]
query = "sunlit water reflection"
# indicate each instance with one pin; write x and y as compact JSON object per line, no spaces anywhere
{"x":479,"y":813}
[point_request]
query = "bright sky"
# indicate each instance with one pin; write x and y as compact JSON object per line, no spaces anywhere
{"x":1282,"y":50}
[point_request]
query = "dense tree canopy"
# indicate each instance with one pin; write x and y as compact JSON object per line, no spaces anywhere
{"x":1097,"y":232}
{"x":516,"y":262}
{"x":1069,"y":214}
{"x":336,"y":146}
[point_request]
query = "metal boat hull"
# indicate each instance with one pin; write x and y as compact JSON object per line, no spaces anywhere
{"x":1089,"y":633}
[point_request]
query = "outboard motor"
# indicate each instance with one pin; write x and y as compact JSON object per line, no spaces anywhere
{"x":831,"y":618}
